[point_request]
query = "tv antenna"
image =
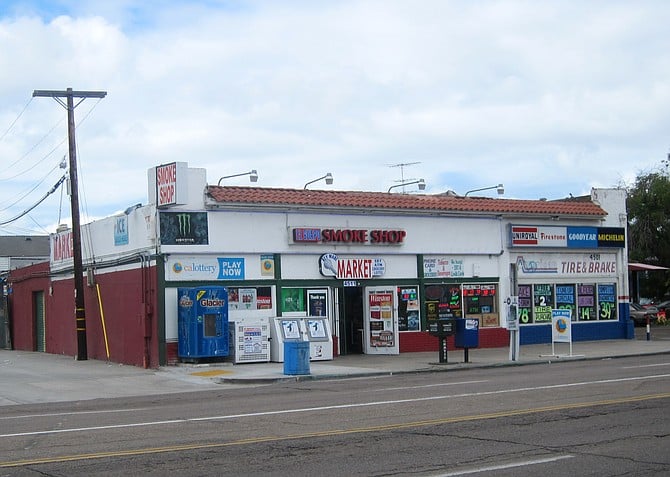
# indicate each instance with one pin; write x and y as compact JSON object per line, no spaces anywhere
{"x":402,"y":166}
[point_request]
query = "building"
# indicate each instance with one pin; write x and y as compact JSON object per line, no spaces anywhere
{"x":380,"y":266}
{"x":17,"y":251}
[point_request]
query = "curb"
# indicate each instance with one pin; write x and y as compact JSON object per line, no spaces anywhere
{"x":438,"y":369}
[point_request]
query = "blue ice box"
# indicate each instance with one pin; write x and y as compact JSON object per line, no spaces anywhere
{"x":202,"y":322}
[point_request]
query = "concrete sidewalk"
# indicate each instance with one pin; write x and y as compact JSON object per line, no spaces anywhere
{"x":30,"y":377}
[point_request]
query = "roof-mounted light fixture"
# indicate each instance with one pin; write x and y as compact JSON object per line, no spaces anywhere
{"x":420,"y":182}
{"x":500,"y":188}
{"x":253,"y":176}
{"x":328,"y":177}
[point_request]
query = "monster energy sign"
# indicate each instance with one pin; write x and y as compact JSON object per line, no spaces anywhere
{"x":183,"y":228}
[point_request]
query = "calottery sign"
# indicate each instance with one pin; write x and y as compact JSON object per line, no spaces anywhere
{"x":567,"y":237}
{"x":316,"y":235}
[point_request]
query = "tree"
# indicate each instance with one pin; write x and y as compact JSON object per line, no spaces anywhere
{"x":648,"y":207}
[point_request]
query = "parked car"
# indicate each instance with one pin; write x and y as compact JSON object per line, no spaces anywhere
{"x":639,"y":314}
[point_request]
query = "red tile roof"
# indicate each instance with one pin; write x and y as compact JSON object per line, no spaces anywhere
{"x":309,"y":198}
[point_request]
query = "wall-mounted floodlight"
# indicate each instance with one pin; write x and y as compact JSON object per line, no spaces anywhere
{"x":328,"y":177}
{"x":253,"y":176}
{"x":500,"y":188}
{"x":420,"y":182}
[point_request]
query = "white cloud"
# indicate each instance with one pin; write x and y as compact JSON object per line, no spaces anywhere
{"x":549,"y":98}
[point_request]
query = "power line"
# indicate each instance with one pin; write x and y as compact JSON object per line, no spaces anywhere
{"x":51,"y":191}
{"x":16,"y":120}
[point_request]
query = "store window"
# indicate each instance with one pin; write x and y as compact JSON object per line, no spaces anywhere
{"x":479,"y":301}
{"x":250,"y":298}
{"x":408,"y":309}
{"x":566,"y":299}
{"x":443,"y":302}
{"x":304,"y":302}
{"x":587,"y":301}
{"x":543,"y":302}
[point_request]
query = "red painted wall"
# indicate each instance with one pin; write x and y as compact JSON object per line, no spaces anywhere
{"x":129,"y":301}
{"x":23,"y":283}
{"x":422,"y":341}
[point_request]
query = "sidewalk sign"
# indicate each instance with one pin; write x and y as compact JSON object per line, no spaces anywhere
{"x":561,"y":331}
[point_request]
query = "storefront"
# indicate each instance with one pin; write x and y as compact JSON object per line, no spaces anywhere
{"x":380,"y":267}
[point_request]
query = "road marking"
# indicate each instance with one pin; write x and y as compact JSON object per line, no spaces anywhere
{"x":335,"y":432}
{"x":645,"y":366}
{"x":511,"y":465}
{"x":332,"y":407}
{"x":76,"y":413}
{"x":430,"y":385}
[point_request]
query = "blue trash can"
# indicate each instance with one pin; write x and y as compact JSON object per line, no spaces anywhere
{"x":296,"y":357}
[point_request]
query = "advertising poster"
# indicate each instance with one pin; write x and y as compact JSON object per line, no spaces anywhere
{"x":607,"y":301}
{"x":561,"y":326}
{"x":316,"y":300}
{"x":183,"y":228}
{"x":408,"y":309}
{"x":381,"y":319}
{"x":543,"y":302}
{"x":586,"y":301}
{"x":248,"y":298}
{"x":565,"y":299}
{"x":293,"y":301}
{"x":268,"y":265}
{"x":253,"y":339}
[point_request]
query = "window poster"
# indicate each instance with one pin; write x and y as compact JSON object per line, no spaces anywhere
{"x":408,"y":309}
{"x":264,"y":298}
{"x":249,"y":298}
{"x":586,"y":301}
{"x":443,"y":302}
{"x":543,"y":302}
{"x":472,"y":296}
{"x":607,"y":301}
{"x":432,"y":310}
{"x":381,"y":319}
{"x":316,"y":300}
{"x":525,"y":309}
{"x":566,"y":299}
{"x":293,"y":301}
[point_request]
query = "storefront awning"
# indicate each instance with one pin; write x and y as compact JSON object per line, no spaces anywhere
{"x":635,"y":267}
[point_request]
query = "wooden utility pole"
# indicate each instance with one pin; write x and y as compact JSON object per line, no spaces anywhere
{"x":80,"y":313}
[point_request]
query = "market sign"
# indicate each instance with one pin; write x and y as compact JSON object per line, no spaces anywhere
{"x":309,"y":235}
{"x":537,"y":236}
{"x":330,"y":265}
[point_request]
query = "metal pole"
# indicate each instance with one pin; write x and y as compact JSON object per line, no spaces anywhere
{"x":80,"y":312}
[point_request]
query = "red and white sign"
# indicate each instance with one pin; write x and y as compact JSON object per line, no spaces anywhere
{"x":527,"y":236}
{"x":166,"y":184}
{"x":61,"y":246}
{"x":331,"y":265}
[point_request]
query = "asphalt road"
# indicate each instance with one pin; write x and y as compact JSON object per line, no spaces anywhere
{"x":606,"y":417}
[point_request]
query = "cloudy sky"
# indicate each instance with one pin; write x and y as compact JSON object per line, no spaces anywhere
{"x":549,"y":98}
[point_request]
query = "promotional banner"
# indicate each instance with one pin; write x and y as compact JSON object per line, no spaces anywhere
{"x":561,"y":326}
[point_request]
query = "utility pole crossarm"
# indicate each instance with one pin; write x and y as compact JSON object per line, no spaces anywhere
{"x":69,"y":92}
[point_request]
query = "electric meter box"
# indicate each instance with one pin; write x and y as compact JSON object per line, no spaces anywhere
{"x":202,"y":322}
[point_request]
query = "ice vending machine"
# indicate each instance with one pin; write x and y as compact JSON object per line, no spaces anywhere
{"x":202,"y":322}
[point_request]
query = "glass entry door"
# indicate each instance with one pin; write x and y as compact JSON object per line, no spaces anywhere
{"x":381,"y":320}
